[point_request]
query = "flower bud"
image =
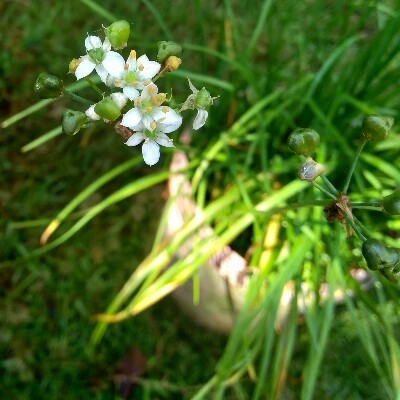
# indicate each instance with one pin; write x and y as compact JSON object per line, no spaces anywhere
{"x":172,"y":63}
{"x":303,"y":141}
{"x":48,"y":86}
{"x":310,"y":170}
{"x":377,"y":127}
{"x":118,"y":34}
{"x":379,"y":257}
{"x":107,"y":109}
{"x":73,"y":121}
{"x":203,"y":99}
{"x":73,"y":65}
{"x":167,"y":49}
{"x":391,"y":203}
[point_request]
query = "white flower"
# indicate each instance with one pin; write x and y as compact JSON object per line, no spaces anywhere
{"x":99,"y":57}
{"x":152,"y":141}
{"x":150,"y":113}
{"x":136,"y":74}
{"x":199,"y":100}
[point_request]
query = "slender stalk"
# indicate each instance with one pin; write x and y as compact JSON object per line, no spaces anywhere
{"x":76,"y":97}
{"x":370,"y":203}
{"x":94,"y":87}
{"x":353,"y":166}
{"x":329,"y":185}
{"x":322,"y":189}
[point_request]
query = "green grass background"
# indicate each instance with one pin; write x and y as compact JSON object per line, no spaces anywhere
{"x":47,"y":302}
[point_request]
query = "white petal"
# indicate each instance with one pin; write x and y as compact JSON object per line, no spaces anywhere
{"x":151,"y":152}
{"x":149,"y":91}
{"x":148,"y":122}
{"x":114,"y":63}
{"x":120,"y":99}
{"x":85,"y":67}
{"x":164,"y":140}
{"x":103,"y":74}
{"x":147,"y":69}
{"x":167,"y":119}
{"x":131,"y":92}
{"x":192,"y":88}
{"x":91,"y":113}
{"x":200,"y":119}
{"x":131,"y":118}
{"x":131,"y":61}
{"x":135,"y":139}
{"x":106,"y":45}
{"x":92,"y":42}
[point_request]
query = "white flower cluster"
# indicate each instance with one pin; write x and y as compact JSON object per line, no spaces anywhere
{"x":149,"y":120}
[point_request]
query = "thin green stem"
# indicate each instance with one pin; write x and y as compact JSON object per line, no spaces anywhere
{"x":355,"y":228}
{"x":76,"y":97}
{"x":371,"y":203}
{"x":353,"y":166}
{"x":322,"y":189}
{"x":94,"y":86}
{"x":329,"y":185}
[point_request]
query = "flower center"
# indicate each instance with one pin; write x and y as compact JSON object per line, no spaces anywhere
{"x":131,"y":78}
{"x":151,"y":134}
{"x":97,"y":55}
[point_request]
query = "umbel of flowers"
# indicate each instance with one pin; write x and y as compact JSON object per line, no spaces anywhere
{"x":378,"y":256}
{"x":130,"y":98}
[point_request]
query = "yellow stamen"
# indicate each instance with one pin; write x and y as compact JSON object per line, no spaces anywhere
{"x":165,"y":109}
{"x":153,"y":125}
{"x":140,"y":67}
{"x":132,"y":54}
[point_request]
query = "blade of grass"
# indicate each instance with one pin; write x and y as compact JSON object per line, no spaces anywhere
{"x":99,"y":10}
{"x":82,"y":196}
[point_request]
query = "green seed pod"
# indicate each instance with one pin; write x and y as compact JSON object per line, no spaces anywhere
{"x":48,"y":86}
{"x":303,"y":141}
{"x":107,"y":109}
{"x":377,"y":127}
{"x":380,"y":257}
{"x":310,"y":170}
{"x":391,"y":203}
{"x":73,"y":121}
{"x":390,"y":275}
{"x":118,"y":34}
{"x":167,"y":49}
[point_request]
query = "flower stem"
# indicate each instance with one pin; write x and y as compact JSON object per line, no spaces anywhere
{"x":353,"y":166}
{"x":76,"y":97}
{"x":94,"y":87}
{"x":329,"y":184}
{"x":322,"y":189}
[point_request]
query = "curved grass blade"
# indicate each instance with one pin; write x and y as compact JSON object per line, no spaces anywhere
{"x":77,"y":200}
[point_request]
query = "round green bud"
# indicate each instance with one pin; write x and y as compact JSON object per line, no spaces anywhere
{"x":118,"y":34}
{"x":167,"y":49}
{"x":73,"y":121}
{"x":377,"y":127}
{"x":310,"y":170}
{"x":391,"y":203}
{"x":48,"y":86}
{"x":203,"y":99}
{"x":107,"y":109}
{"x":303,"y":141}
{"x":379,"y":257}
